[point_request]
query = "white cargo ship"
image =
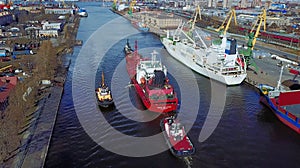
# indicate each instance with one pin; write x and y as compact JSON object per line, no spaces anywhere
{"x":218,"y":60}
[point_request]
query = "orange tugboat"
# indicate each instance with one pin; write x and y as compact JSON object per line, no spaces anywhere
{"x":149,"y":78}
{"x":104,"y":96}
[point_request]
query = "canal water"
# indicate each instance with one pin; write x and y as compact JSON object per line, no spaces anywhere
{"x":227,"y":125}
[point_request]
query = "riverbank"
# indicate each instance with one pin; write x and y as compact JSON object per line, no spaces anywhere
{"x":26,"y":145}
{"x":36,"y":152}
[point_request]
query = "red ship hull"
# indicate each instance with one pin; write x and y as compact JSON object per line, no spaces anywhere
{"x":282,"y":115}
{"x":281,"y":107}
{"x":179,"y":143}
{"x":159,"y":105}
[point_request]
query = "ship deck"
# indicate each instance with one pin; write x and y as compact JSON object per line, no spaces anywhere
{"x":294,"y":109}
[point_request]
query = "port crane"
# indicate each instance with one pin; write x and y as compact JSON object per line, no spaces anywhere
{"x":5,"y":68}
{"x":196,"y":15}
{"x":222,"y":29}
{"x":252,"y":37}
{"x":114,"y":5}
{"x":131,"y":7}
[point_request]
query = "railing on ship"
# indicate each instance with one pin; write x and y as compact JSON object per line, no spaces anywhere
{"x":235,"y":70}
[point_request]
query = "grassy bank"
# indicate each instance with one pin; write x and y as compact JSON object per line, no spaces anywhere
{"x":45,"y":64}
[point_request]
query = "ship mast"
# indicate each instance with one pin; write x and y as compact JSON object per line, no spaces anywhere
{"x":135,"y":48}
{"x":279,"y":81}
{"x":153,"y":56}
{"x":102,"y":84}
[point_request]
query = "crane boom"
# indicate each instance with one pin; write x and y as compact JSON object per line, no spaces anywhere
{"x":4,"y":68}
{"x":229,"y":18}
{"x":198,"y":13}
{"x":261,"y":19}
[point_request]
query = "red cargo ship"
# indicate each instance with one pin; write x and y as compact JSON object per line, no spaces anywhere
{"x":149,"y":78}
{"x":285,"y":104}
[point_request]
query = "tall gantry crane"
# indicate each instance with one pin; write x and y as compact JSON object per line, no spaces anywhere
{"x":228,"y":18}
{"x":114,"y":5}
{"x":248,"y":53}
{"x":196,"y":15}
{"x":131,"y":7}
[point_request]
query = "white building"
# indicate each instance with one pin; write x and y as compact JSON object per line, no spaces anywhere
{"x":59,"y":11}
{"x":48,"y":33}
{"x":51,"y":26}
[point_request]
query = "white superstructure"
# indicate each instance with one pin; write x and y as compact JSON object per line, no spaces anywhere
{"x":146,"y":68}
{"x":218,"y":61}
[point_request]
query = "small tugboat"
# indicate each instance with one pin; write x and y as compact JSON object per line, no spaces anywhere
{"x":149,"y":77}
{"x":284,"y":103}
{"x":179,"y":143}
{"x":104,"y":96}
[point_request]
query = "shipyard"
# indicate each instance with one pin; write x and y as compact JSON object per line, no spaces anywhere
{"x":69,"y":87}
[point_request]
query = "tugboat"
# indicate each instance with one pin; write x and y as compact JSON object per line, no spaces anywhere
{"x":179,"y":143}
{"x":104,"y":96}
{"x":284,"y":103}
{"x":149,"y":78}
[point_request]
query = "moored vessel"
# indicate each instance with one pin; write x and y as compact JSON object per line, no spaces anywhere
{"x":104,"y":95}
{"x":82,"y":12}
{"x":284,"y":103}
{"x":218,"y":60}
{"x":141,"y":26}
{"x":179,"y":143}
{"x":149,"y":77}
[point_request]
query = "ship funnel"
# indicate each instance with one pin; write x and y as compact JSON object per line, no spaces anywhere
{"x":102,"y":81}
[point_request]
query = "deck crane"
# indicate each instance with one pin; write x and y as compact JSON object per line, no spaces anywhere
{"x":248,"y":53}
{"x":228,"y":18}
